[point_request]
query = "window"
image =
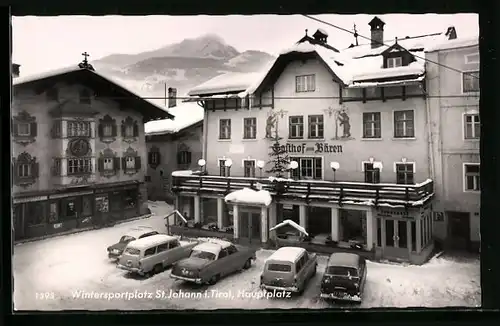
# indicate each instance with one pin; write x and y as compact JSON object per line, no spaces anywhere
{"x":108,"y":164}
{"x":279,"y":268}
{"x":130,"y":198}
{"x":79,"y":165}
{"x":184,"y":158}
{"x":308,"y":168}
{"x":472,"y":58}
{"x":130,"y":162}
{"x":225,"y":129}
{"x":394,"y":62}
{"x":315,"y":126}
{"x":404,"y":126}
{"x":371,"y":125}
{"x":107,"y":130}
{"x":154,"y":157}
{"x":372,"y":175}
{"x":173,"y":244}
{"x":69,"y":206}
{"x":24,"y":170}
{"x":306,"y":83}
{"x":249,"y":128}
{"x":249,"y":168}
{"x":231,"y":250}
{"x":222,"y":254}
{"x":404,"y":173}
{"x":129,"y":131}
{"x":471,"y":126}
{"x":470,"y":81}
{"x":85,"y":96}
{"x":35,"y":213}
{"x":53,"y":212}
{"x":162,"y":247}
{"x":78,"y":129}
{"x":222,"y":168}
{"x":472,"y":175}
{"x":150,"y":252}
{"x":23,"y":129}
{"x":56,"y":168}
{"x":296,"y":127}
{"x":87,"y":205}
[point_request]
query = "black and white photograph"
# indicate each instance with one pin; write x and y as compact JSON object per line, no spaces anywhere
{"x":209,"y":162}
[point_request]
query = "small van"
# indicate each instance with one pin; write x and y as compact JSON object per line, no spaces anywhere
{"x":344,"y":277}
{"x":288,"y":269}
{"x":153,"y":254}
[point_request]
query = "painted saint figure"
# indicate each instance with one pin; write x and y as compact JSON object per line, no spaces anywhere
{"x":270,"y":125}
{"x":343,"y":118}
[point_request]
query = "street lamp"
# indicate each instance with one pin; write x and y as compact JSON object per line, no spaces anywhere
{"x":335,"y":166}
{"x":203,"y":165}
{"x":260,"y":165}
{"x":293,"y":165}
{"x":378,"y":165}
{"x":228,"y":164}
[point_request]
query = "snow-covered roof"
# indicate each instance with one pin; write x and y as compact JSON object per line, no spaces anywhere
{"x":369,"y":68}
{"x":152,"y":240}
{"x":343,"y":259}
{"x":387,"y":83}
{"x":66,"y":70}
{"x":225,"y":83}
{"x":139,"y":230}
{"x":453,"y":44}
{"x":182,"y":173}
{"x":290,"y":254}
{"x":249,"y":197}
{"x":322,"y":31}
{"x":292,"y":224}
{"x":212,"y":247}
{"x":186,"y":115}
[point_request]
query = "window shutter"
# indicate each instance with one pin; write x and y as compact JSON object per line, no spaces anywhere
{"x":179,"y":158}
{"x":158,"y":158}
{"x":100,"y":130}
{"x":14,"y":128}
{"x":136,"y":130}
{"x":124,"y":163}
{"x":34,"y":170}
{"x":116,"y":163}
{"x":15,"y":175}
{"x":100,"y":163}
{"x":123,"y":129}
{"x":188,"y":158}
{"x":150,"y":158}
{"x":113,"y":130}
{"x":33,"y":129}
{"x":137,"y":162}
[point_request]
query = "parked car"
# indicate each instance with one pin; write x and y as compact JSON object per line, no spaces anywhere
{"x":115,"y":251}
{"x":154,"y":253}
{"x":288,"y":269}
{"x":344,"y":277}
{"x":212,"y":260}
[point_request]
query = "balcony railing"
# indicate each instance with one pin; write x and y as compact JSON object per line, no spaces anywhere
{"x":312,"y":191}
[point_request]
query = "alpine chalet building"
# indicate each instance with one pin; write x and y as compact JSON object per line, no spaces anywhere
{"x":354,"y":125}
{"x":79,"y":151}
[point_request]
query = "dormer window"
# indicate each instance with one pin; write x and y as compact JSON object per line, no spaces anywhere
{"x":394,"y":62}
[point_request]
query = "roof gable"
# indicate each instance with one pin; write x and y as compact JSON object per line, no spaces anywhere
{"x":396,"y":47}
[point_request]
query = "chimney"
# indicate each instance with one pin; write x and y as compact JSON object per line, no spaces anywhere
{"x":321,"y":36}
{"x":451,"y":32}
{"x":15,"y":70}
{"x":377,"y":31}
{"x":172,"y":97}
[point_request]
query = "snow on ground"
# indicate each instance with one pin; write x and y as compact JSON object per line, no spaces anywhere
{"x":77,"y":264}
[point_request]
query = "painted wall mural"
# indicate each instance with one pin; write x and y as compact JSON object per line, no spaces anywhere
{"x":342,"y":123}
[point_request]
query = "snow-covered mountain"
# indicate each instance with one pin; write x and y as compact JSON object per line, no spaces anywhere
{"x":182,"y":65}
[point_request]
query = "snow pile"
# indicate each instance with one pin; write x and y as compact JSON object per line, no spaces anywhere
{"x":228,"y":82}
{"x":186,"y":115}
{"x":274,"y":179}
{"x":460,"y":42}
{"x":182,"y":173}
{"x":292,"y":224}
{"x":250,"y":197}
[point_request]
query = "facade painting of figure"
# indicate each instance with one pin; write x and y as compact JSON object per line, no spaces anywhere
{"x":342,"y":120}
{"x":271,"y":124}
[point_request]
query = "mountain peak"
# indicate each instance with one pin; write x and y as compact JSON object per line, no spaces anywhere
{"x":211,"y":37}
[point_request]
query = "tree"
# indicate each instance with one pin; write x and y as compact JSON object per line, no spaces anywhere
{"x":279,"y":159}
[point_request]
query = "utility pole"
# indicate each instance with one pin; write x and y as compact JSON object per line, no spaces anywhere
{"x":165,"y":96}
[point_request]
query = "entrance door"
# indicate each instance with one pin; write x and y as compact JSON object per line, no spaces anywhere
{"x":249,"y":227}
{"x":459,"y":230}
{"x":396,"y":239}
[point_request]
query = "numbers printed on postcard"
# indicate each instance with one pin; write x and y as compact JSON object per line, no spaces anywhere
{"x":45,"y":295}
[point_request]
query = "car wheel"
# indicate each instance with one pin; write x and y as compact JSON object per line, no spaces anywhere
{"x":157,"y":269}
{"x":214,"y":279}
{"x":248,"y":264}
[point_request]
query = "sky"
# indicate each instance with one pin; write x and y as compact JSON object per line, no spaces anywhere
{"x":46,"y":43}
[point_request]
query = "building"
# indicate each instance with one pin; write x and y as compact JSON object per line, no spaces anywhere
{"x":354,"y":125}
{"x":454,"y":108}
{"x":78,"y":151}
{"x":173,"y":145}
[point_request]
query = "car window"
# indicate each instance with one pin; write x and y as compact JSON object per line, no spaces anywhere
{"x":222,"y":254}
{"x":298,"y":266}
{"x":148,"y":234}
{"x":132,"y":251}
{"x":173,"y":244}
{"x":126,"y":238}
{"x":162,"y":247}
{"x":231,"y":250}
{"x":342,"y":271}
{"x":304,"y":259}
{"x":279,"y":268}
{"x":150,"y":251}
{"x":202,"y":255}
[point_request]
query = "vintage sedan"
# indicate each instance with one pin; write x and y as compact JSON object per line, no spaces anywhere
{"x":288,"y":269}
{"x":344,"y":277}
{"x":116,"y":250}
{"x":212,"y":260}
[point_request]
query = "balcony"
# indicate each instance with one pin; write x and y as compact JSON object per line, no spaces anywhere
{"x":310,"y":191}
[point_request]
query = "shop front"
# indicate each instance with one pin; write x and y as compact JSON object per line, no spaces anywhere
{"x":38,"y":216}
